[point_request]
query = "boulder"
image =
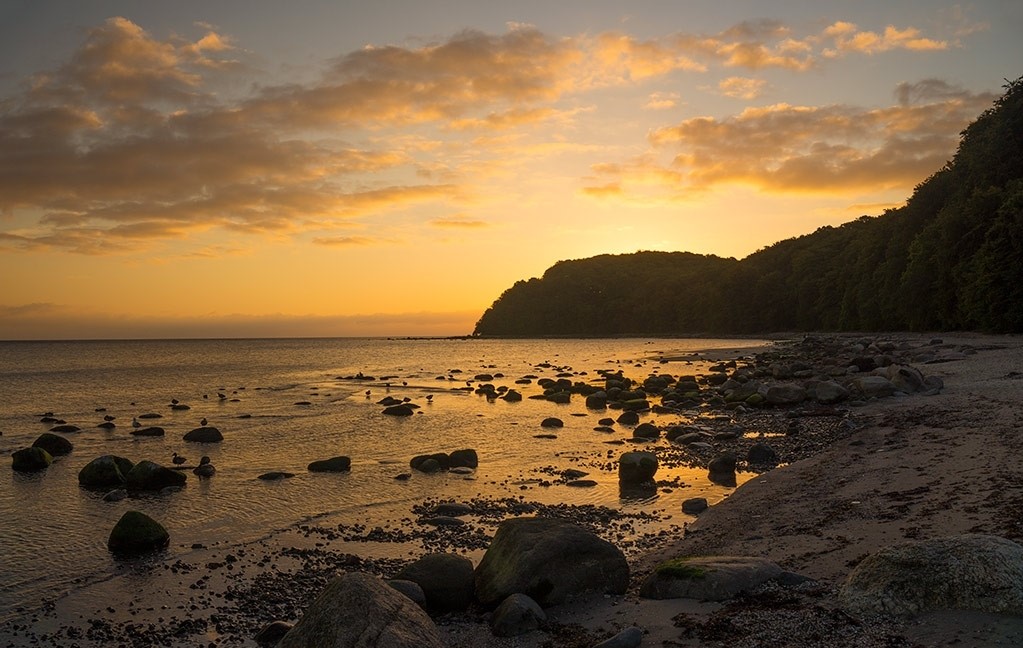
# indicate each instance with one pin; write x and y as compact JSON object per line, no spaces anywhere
{"x":412,"y":590}
{"x":149,"y":476}
{"x":967,"y":572}
{"x":136,"y":532}
{"x":205,"y":434}
{"x":873,"y":386}
{"x":785,"y":394}
{"x":463,"y":458}
{"x":721,"y":469}
{"x":647,"y":431}
{"x":512,"y":396}
{"x":334,"y":464}
{"x":597,"y":401}
{"x":708,"y":578}
{"x":399,"y":410}
{"x":761,"y":454}
{"x":31,"y":459}
{"x":637,"y":467}
{"x":694,"y":505}
{"x":153,"y":431}
{"x":905,"y":378}
{"x":272,"y":633}
{"x":358,"y":611}
{"x":447,"y":581}
{"x":552,"y":422}
{"x":829,"y":392}
{"x":550,"y":561}
{"x":105,"y":472}
{"x":441,"y":461}
{"x":55,"y":445}
{"x":516,"y":615}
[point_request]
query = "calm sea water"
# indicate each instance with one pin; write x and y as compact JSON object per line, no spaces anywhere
{"x":53,"y":533}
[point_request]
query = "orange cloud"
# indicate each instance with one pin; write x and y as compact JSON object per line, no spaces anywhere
{"x":458,"y":222}
{"x":742,"y":88}
{"x":847,"y":38}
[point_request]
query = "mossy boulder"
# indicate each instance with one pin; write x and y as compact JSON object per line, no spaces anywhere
{"x":105,"y":472}
{"x":150,"y":476}
{"x":708,"y":578}
{"x":55,"y":445}
{"x":31,"y":459}
{"x":205,"y":434}
{"x":334,"y":464}
{"x":135,"y":533}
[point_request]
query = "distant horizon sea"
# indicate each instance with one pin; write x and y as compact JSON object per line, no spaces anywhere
{"x":282,"y":403}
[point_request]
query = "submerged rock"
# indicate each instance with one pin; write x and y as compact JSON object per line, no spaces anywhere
{"x":150,"y":476}
{"x":55,"y":445}
{"x":136,"y":532}
{"x":205,"y":434}
{"x":637,"y":467}
{"x":334,"y":464}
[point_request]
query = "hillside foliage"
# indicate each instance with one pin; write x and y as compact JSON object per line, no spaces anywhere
{"x":950,"y":259}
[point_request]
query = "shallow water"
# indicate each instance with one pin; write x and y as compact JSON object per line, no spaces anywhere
{"x":53,"y":533}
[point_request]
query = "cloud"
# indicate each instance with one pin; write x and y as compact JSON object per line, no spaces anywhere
{"x":785,"y":147}
{"x":742,"y":88}
{"x":662,"y":100}
{"x":344,"y":241}
{"x":846,"y":37}
{"x":458,"y":222}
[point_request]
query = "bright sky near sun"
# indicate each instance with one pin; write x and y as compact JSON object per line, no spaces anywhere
{"x":247,"y":168}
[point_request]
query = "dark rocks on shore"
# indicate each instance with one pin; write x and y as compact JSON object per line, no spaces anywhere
{"x":597,"y":401}
{"x":56,"y":445}
{"x":552,"y":422}
{"x":275,"y":475}
{"x":647,"y":431}
{"x":334,"y":464}
{"x":430,"y":463}
{"x":637,"y":467}
{"x":150,"y":476}
{"x":361,"y":610}
{"x":116,"y":495}
{"x":628,"y":418}
{"x":512,"y":396}
{"x":107,"y":425}
{"x":967,"y":572}
{"x":447,"y":581}
{"x":106,"y":471}
{"x":549,"y":560}
{"x":761,"y":454}
{"x":708,"y":578}
{"x":136,"y":532}
{"x":410,"y":589}
{"x":453,"y":509}
{"x":271,"y":634}
{"x":205,"y":434}
{"x":400,"y":410}
{"x":630,"y":637}
{"x":463,"y":458}
{"x":516,"y":615}
{"x":31,"y":459}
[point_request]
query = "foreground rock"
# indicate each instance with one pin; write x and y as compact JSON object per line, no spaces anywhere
{"x":967,"y":572}
{"x":709,"y":578}
{"x":136,"y":532}
{"x":446,"y":581}
{"x":550,"y":561}
{"x":361,"y":611}
{"x":105,"y":472}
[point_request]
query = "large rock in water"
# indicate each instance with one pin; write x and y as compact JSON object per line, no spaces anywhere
{"x":708,"y":578}
{"x":136,"y":532}
{"x":105,"y":472}
{"x":334,"y":464}
{"x":967,"y":572}
{"x":446,"y":580}
{"x":550,"y":561}
{"x":361,"y":611}
{"x":205,"y":434}
{"x":637,"y":467}
{"x":30,"y":459}
{"x":55,"y":445}
{"x":149,"y":476}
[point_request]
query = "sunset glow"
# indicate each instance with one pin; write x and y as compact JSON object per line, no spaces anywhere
{"x":253,"y":169}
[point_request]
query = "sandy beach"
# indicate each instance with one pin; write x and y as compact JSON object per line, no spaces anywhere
{"x":915,"y":467}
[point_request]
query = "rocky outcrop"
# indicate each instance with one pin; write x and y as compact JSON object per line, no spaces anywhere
{"x":550,"y":561}
{"x":136,"y":532}
{"x":967,"y":572}
{"x":359,"y":611}
{"x":447,"y":581}
{"x":710,"y":578}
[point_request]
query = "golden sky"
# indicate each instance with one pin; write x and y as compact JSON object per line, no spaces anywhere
{"x":325,"y":168}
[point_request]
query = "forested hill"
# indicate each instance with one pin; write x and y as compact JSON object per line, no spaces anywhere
{"x":950,"y":259}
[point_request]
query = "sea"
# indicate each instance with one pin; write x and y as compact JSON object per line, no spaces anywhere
{"x":283,"y":403}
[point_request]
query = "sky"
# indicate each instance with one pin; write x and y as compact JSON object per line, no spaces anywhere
{"x":261,"y":169}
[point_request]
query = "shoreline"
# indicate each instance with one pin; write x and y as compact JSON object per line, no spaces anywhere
{"x":755,"y":519}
